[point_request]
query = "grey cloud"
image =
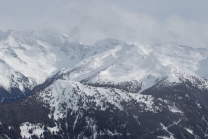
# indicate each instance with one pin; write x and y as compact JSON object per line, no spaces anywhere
{"x":133,"y":21}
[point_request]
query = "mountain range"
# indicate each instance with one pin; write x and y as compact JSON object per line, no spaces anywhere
{"x":54,"y":86}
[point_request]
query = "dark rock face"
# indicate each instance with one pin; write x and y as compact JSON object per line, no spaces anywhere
{"x":178,"y":111}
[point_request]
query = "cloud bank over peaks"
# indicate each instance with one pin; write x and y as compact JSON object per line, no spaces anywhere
{"x":97,"y":20}
{"x":92,"y":20}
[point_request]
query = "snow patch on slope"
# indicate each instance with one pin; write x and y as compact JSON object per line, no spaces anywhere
{"x":28,"y":129}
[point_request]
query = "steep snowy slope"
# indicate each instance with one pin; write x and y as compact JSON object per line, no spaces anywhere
{"x":13,"y":84}
{"x":39,"y":54}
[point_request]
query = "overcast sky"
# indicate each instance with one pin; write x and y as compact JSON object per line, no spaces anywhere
{"x":183,"y":22}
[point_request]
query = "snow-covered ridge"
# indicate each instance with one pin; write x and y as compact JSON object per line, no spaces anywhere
{"x":63,"y":95}
{"x":127,"y":64}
